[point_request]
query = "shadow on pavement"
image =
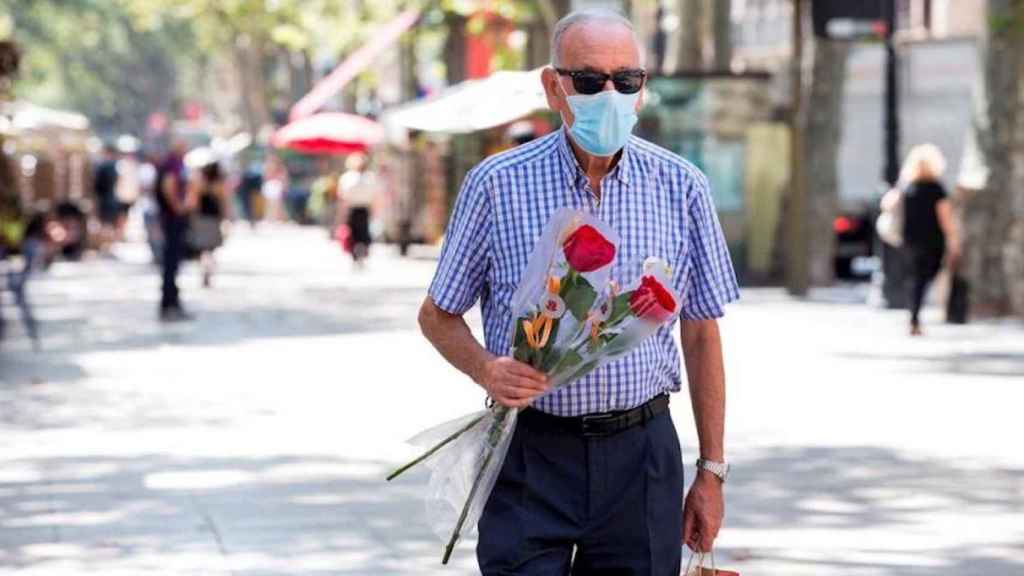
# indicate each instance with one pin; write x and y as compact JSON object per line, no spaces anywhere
{"x":1006,"y":364}
{"x":286,"y":515}
{"x":813,"y":492}
{"x":320,"y":515}
{"x":126,"y":323}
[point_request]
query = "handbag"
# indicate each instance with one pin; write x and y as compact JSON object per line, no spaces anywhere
{"x":343,"y":234}
{"x":204,"y":233}
{"x":889,"y":224}
{"x":701,"y":570}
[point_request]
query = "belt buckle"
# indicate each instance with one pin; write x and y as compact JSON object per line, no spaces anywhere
{"x":596,"y":419}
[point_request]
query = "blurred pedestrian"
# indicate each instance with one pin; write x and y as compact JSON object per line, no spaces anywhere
{"x":175,"y":203}
{"x":128,"y":188}
{"x":36,"y":239}
{"x":150,"y":205}
{"x":275,"y":182}
{"x":357,"y":188}
{"x":207,"y":224}
{"x":323,"y":198}
{"x":929,"y":229}
{"x":105,"y":181}
{"x":250,"y":185}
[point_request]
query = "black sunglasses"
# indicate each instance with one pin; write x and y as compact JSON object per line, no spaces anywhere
{"x":592,"y":82}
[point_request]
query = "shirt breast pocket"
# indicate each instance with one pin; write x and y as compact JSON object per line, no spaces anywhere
{"x":635,"y":248}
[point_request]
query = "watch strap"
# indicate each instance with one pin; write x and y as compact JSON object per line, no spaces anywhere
{"x":719,"y":469}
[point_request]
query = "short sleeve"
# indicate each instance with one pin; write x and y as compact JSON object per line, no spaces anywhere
{"x":462,"y":268}
{"x":705,"y":277}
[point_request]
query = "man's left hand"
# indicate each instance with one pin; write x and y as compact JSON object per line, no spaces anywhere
{"x":703,"y":512}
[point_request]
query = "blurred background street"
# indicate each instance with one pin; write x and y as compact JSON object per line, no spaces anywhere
{"x":255,"y":440}
{"x":290,"y":167}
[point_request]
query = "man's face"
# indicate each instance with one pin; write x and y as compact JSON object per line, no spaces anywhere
{"x":605,"y":47}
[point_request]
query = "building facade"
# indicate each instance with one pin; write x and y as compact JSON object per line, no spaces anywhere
{"x":938,"y":67}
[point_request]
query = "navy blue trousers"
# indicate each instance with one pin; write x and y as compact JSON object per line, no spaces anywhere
{"x":175,"y":229}
{"x":600,"y":506}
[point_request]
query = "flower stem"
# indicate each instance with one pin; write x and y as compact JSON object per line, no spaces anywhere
{"x":465,"y":508}
{"x":492,"y":441}
{"x":433,"y":450}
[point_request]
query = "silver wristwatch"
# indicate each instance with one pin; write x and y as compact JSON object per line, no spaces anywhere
{"x":720,"y":469}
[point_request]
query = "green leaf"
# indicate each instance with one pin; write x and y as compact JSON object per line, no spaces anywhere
{"x":614,"y":348}
{"x":548,"y":362}
{"x":571,"y":358}
{"x":620,"y":308}
{"x":583,"y":370}
{"x":568,"y":281}
{"x":579,"y":298}
{"x":520,"y":337}
{"x":520,"y":349}
{"x":522,"y":354}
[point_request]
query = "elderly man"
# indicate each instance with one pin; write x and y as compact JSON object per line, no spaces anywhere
{"x":593,"y":480}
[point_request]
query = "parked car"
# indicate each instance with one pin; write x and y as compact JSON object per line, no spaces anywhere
{"x":855,"y":256}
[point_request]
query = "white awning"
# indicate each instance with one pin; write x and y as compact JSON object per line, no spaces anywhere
{"x":26,"y":116}
{"x":473,"y":105}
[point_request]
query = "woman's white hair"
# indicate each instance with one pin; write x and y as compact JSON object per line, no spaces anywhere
{"x":582,"y":17}
{"x":924,"y":162}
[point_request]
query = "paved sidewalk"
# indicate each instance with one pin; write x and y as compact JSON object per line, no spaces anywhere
{"x":254,"y":441}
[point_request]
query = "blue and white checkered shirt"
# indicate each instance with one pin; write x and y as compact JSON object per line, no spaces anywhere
{"x":659,"y":204}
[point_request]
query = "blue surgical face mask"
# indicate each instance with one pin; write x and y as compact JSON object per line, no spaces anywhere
{"x":602,"y":122}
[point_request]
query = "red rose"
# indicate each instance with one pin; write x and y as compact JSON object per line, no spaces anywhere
{"x":652,"y":301}
{"x":587,"y":250}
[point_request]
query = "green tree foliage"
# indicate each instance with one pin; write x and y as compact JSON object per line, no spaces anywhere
{"x":90,"y":55}
{"x":119,"y":60}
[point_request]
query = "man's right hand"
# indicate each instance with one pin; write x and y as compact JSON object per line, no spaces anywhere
{"x":512,"y":383}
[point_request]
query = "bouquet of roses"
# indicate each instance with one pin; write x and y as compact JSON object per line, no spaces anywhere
{"x":570,"y":319}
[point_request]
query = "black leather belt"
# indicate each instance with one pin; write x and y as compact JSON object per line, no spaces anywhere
{"x":596,"y":425}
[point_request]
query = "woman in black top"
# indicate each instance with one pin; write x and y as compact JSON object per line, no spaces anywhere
{"x":206,"y":234}
{"x":929,"y":232}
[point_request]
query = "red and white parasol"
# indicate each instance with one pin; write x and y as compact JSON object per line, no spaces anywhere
{"x":329,"y":133}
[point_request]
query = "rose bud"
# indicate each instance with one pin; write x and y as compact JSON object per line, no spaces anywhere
{"x":587,"y":250}
{"x":652,"y":301}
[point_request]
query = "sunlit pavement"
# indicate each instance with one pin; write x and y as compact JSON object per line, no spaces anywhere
{"x":255,"y":440}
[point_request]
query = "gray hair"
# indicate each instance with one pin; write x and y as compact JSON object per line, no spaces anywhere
{"x":582,"y":17}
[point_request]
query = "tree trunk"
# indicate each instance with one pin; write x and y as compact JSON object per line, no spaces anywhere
{"x":821,"y":156}
{"x":249,"y":57}
{"x":538,"y":44}
{"x":691,"y":39}
{"x":298,"y":64}
{"x":722,"y":34}
{"x":560,"y":8}
{"x":9,"y":194}
{"x":538,"y":47}
{"x":988,"y":217}
{"x":455,"y":49}
{"x":1014,"y":247}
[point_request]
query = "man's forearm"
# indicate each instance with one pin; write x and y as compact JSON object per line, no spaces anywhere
{"x":452,"y":337}
{"x":702,"y":350}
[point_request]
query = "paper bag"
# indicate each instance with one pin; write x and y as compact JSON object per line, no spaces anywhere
{"x":699,"y":567}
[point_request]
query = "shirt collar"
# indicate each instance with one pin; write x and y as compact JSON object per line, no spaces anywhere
{"x":574,"y":172}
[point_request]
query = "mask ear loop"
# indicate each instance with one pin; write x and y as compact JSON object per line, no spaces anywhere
{"x":558,"y":80}
{"x":565,"y":95}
